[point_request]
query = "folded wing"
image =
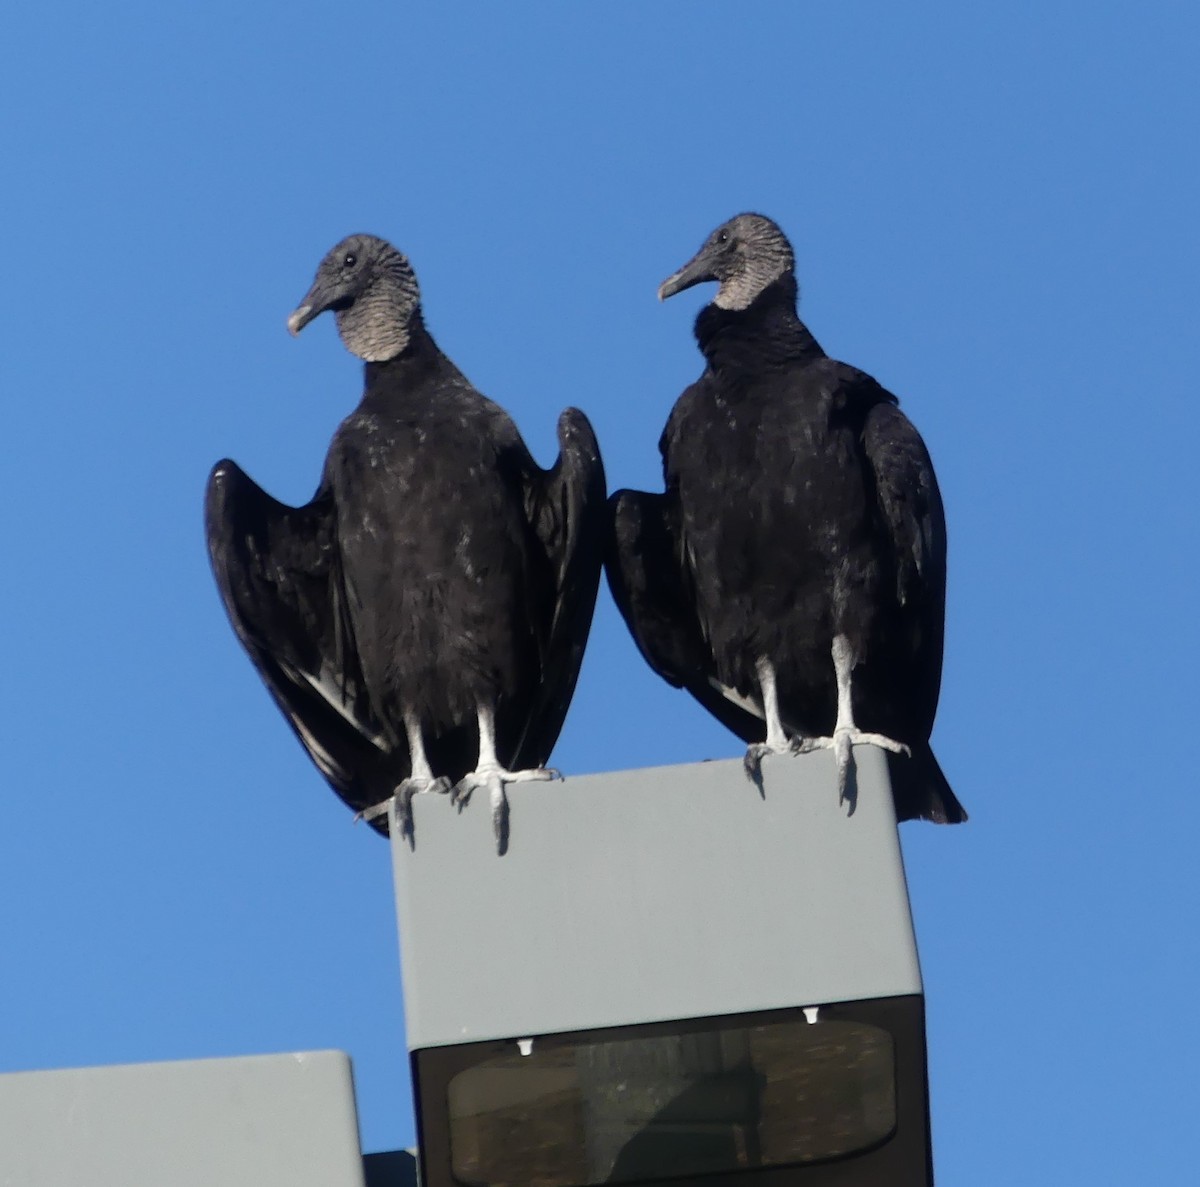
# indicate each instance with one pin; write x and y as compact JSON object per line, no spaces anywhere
{"x":910,"y":506}
{"x":279,"y":576}
{"x":566,"y":511}
{"x":646,"y":573}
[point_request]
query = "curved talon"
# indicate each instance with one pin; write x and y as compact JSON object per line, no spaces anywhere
{"x":495,"y":778}
{"x":757,"y":751}
{"x":843,"y":748}
{"x":404,"y":797}
{"x":404,"y":814}
{"x":500,"y":817}
{"x":752,"y":761}
{"x":842,"y":744}
{"x":460,"y":793}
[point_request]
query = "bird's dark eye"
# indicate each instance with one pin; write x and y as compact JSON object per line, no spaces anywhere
{"x":349,"y":260}
{"x":722,"y":236}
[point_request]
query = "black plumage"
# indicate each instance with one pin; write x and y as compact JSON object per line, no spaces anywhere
{"x":792,"y":574}
{"x":422,"y":620}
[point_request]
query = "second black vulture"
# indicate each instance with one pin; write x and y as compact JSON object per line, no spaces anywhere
{"x":422,"y":620}
{"x":792,"y":574}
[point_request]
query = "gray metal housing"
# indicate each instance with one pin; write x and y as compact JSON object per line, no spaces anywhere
{"x":259,"y":1121}
{"x":652,"y":895}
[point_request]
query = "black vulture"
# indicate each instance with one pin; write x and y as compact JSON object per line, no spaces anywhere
{"x":792,"y":575}
{"x":422,"y":620}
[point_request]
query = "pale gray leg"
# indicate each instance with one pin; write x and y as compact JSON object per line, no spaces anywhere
{"x":845,"y":733}
{"x":421,"y":780}
{"x":490,"y":774}
{"x":777,"y":741}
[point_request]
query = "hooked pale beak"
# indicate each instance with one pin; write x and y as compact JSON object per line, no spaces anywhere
{"x":695,"y":271}
{"x":300,"y":317}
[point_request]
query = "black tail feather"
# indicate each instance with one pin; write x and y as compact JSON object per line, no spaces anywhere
{"x":921,"y":790}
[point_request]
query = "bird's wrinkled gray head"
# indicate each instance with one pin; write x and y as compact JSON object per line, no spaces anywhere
{"x":373,"y":292}
{"x":744,"y":255}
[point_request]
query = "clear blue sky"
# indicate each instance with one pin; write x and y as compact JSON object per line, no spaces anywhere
{"x":994,"y":212}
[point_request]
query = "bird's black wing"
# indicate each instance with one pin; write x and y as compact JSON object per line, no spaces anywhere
{"x":910,"y":508}
{"x":646,"y":573}
{"x":278,"y":572}
{"x":565,"y":507}
{"x":649,"y":573}
{"x":642,"y":560}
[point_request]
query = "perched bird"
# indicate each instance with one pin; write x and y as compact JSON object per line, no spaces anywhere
{"x":792,"y":575}
{"x":422,"y":620}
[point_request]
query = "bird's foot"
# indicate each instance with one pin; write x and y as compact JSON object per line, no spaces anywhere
{"x":486,"y":776}
{"x":495,"y":778}
{"x":404,"y":797}
{"x":757,"y":751}
{"x":844,"y":739}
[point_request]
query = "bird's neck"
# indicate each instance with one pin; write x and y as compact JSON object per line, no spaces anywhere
{"x":768,"y":332}
{"x":419,"y":355}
